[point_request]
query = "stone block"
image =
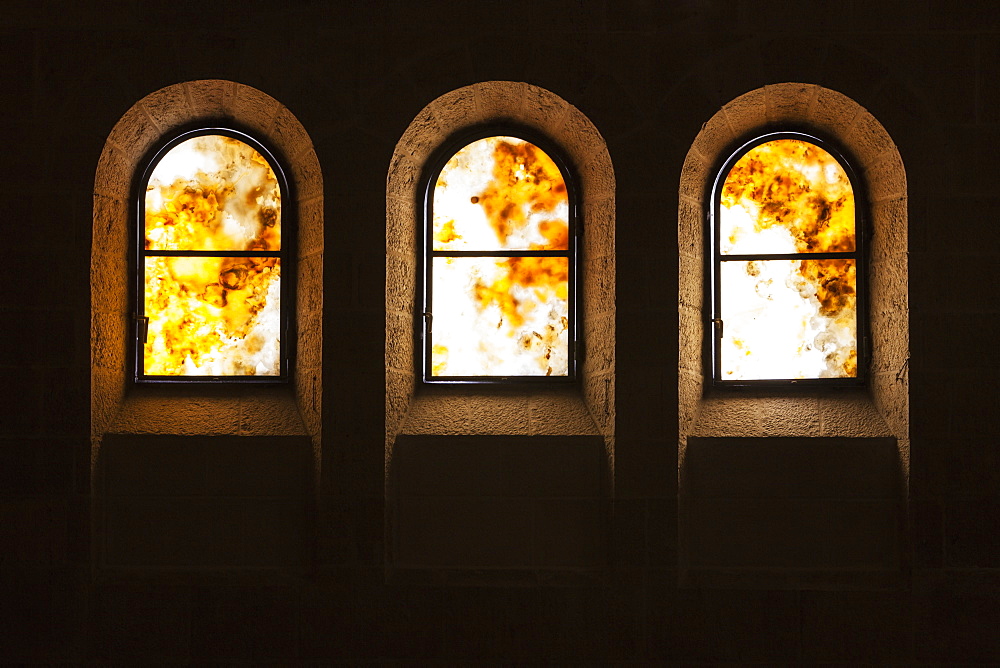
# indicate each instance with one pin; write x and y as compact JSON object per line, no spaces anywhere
{"x":597,"y":178}
{"x":457,"y":108}
{"x":421,"y":137}
{"x":468,"y":532}
{"x":210,"y":98}
{"x":400,"y":281}
{"x":788,"y":102}
{"x":789,"y":416}
{"x":253,"y":107}
{"x":307,"y":174}
{"x":570,"y":533}
{"x":114,"y":175}
{"x":401,"y":225}
{"x":288,"y":135}
{"x":544,"y":109}
{"x":791,"y":468}
{"x":309,"y":284}
{"x":442,"y":466}
{"x":694,"y":175}
{"x":889,"y":219}
{"x":598,"y":278}
{"x":133,"y":135}
{"x":716,"y":136}
{"x":501,"y":414}
{"x":402,"y":179}
{"x":886,"y":178}
{"x":746,"y":113}
{"x":168,"y":107}
{"x":784,"y":534}
{"x":497,"y":100}
{"x":559,"y":414}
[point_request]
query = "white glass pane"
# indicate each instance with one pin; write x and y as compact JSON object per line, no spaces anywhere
{"x":787,"y":319}
{"x":213,"y":192}
{"x":213,"y":316}
{"x":500,"y":193}
{"x":500,"y":316}
{"x":786,"y":196}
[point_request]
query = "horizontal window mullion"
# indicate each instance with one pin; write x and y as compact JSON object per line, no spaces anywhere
{"x":516,"y":253}
{"x":848,"y":255}
{"x":194,"y":253}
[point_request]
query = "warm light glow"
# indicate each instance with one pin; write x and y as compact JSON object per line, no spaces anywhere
{"x":500,"y":316}
{"x":787,"y":319}
{"x":786,"y":196}
{"x":500,"y":193}
{"x":212,"y":316}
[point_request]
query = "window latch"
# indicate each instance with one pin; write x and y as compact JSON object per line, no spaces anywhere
{"x":718,"y":326}
{"x":143,"y":321}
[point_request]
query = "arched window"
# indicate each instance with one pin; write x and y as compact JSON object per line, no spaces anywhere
{"x":499,"y":261}
{"x":788,"y":265}
{"x":211,"y":239}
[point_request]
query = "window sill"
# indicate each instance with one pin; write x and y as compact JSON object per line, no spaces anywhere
{"x":509,"y":410}
{"x":210,"y":410}
{"x":750,"y":412}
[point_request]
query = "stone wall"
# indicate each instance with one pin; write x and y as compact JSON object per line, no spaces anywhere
{"x":349,"y":517}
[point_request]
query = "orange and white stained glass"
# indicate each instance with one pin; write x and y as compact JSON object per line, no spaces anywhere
{"x":500,"y":315}
{"x":212,"y":315}
{"x":788,"y":318}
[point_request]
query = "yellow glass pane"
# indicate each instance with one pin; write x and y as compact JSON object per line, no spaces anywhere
{"x":789,"y":319}
{"x":500,"y":193}
{"x":213,"y":192}
{"x":212,"y":316}
{"x":500,"y":316}
{"x":786,"y":196}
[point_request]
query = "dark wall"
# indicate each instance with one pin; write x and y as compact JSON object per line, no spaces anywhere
{"x":648,"y":75}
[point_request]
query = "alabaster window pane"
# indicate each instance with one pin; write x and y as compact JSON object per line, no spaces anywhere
{"x":500,"y":316}
{"x":500,"y":193}
{"x":212,"y":193}
{"x":212,"y":316}
{"x":786,"y":196}
{"x":786,"y":319}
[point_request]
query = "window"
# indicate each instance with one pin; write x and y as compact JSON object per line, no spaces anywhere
{"x":210,"y":256}
{"x":788,"y":269}
{"x":500,"y":254}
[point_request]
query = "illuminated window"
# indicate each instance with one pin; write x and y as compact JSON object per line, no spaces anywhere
{"x":499,"y":262}
{"x":788,"y":265}
{"x":209,"y":261}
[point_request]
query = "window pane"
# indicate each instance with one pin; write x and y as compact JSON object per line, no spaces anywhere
{"x":786,"y":196}
{"x":789,"y":319}
{"x":500,"y":316}
{"x":213,"y":192}
{"x":500,"y":193}
{"x":212,"y":316}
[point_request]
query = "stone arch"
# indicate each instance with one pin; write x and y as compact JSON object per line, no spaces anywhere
{"x":572,"y":131}
{"x":882,"y":408}
{"x":117,"y":406}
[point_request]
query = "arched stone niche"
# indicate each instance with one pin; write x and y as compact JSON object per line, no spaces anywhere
{"x":587,"y":409}
{"x":518,"y":442}
{"x":117,"y":405}
{"x":881,"y":409}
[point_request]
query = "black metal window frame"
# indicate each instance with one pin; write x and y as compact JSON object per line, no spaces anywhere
{"x":285,"y":258}
{"x":425,"y":204}
{"x":714,"y":326}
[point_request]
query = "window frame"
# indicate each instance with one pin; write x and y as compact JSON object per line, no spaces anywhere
{"x":285,"y":257}
{"x":425,"y":193}
{"x":715,"y":323}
